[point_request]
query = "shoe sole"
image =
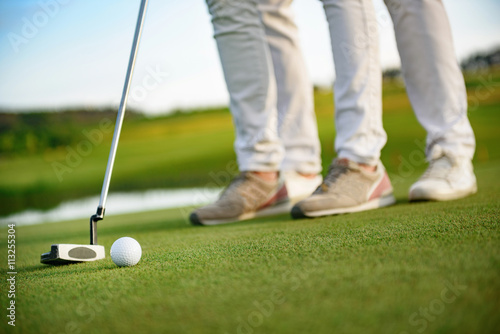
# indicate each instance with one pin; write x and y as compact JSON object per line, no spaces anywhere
{"x":420,"y":195}
{"x":280,"y":208}
{"x":381,"y":202}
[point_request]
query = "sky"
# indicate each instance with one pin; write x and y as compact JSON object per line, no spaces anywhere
{"x":74,"y":53}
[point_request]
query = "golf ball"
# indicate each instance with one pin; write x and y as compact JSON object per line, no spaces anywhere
{"x":126,"y":252}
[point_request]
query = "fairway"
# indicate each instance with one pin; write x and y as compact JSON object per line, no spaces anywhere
{"x":411,"y":268}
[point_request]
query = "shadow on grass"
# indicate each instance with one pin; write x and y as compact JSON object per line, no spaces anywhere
{"x":401,"y":200}
{"x":248,"y":223}
{"x":79,"y":268}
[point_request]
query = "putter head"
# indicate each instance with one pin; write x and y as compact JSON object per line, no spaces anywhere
{"x":69,"y":253}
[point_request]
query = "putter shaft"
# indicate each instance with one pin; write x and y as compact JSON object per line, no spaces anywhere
{"x":119,"y":121}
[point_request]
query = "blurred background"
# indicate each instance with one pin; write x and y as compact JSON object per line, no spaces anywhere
{"x":59,"y":54}
{"x":62,"y":66}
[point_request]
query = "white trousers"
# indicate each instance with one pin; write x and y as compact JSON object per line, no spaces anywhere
{"x":434,"y":82}
{"x":271,"y":95}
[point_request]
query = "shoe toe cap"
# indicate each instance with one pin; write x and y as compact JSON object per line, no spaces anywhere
{"x":297,"y":212}
{"x":440,"y":190}
{"x":216,"y":212}
{"x":194,"y":219}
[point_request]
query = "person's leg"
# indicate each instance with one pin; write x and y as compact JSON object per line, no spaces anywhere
{"x":436,"y":89}
{"x":249,"y":73}
{"x":432,"y":75}
{"x":297,"y":127}
{"x":356,"y":180}
{"x":358,"y":96}
{"x":296,"y":119}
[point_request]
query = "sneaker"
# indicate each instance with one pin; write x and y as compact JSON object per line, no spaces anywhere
{"x":447,"y":178}
{"x":347,"y":188}
{"x":300,"y":186}
{"x":246,"y":197}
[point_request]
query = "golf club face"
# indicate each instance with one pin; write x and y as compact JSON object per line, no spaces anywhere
{"x":61,"y":254}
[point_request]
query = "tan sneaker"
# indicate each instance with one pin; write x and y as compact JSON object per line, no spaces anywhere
{"x":246,"y":197}
{"x":347,"y":188}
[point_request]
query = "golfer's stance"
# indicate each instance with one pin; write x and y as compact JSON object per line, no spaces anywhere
{"x":275,"y":125}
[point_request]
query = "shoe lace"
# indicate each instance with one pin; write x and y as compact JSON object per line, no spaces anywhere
{"x":240,"y":186}
{"x":233,"y":186}
{"x":335,"y":171}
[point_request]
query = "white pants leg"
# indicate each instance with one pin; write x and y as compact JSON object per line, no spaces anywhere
{"x":297,"y":126}
{"x":434,"y":82}
{"x":249,"y":73}
{"x":358,"y":98}
{"x":247,"y":57}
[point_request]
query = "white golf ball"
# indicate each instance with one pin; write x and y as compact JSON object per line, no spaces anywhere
{"x":126,"y":252}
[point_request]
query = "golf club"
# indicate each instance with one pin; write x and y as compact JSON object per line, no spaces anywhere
{"x":70,"y":253}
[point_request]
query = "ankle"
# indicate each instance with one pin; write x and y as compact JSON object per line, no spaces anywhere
{"x":266,"y":176}
{"x":365,"y":167}
{"x":368,"y":168}
{"x":307,"y":175}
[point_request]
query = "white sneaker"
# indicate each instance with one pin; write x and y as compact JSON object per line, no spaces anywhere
{"x":299,"y":186}
{"x":447,"y":178}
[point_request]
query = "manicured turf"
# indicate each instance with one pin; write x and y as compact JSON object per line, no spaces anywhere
{"x":410,"y":268}
{"x":370,"y":272}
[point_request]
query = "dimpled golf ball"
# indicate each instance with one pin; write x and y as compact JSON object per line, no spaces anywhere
{"x":126,"y":252}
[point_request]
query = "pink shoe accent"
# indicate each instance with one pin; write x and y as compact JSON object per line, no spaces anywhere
{"x":383,"y":186}
{"x":280,"y":195}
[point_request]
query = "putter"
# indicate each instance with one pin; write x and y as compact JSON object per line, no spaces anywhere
{"x":69,"y":253}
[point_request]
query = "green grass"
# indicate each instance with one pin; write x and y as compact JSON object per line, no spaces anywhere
{"x":360,"y":273}
{"x":410,"y":268}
